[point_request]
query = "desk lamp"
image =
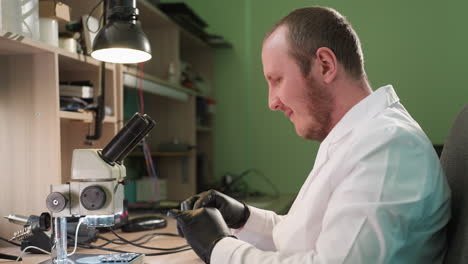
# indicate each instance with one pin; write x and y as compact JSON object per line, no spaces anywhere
{"x":121,"y":40}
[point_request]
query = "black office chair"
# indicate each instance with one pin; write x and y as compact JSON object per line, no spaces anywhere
{"x":454,"y":161}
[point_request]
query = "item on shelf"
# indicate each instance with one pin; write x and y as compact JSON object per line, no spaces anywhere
{"x":83,"y":90}
{"x":73,"y":104}
{"x":90,"y":28}
{"x":211,"y":105}
{"x":54,"y":9}
{"x":76,"y":96}
{"x":174,"y":146}
{"x":217,"y":41}
{"x":10,"y":16}
{"x":187,"y":75}
{"x":68,"y":44}
{"x":202,"y":86}
{"x":75,"y":30}
{"x":172,"y":77}
{"x":49,"y":31}
{"x":185,"y":17}
{"x":202,"y":112}
{"x":145,"y":189}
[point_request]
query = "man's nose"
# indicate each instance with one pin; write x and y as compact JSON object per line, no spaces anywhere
{"x":274,"y":102}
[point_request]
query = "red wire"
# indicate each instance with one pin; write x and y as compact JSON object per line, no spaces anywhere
{"x":146,"y":151}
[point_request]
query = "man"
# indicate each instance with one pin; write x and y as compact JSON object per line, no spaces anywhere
{"x":376,"y":193}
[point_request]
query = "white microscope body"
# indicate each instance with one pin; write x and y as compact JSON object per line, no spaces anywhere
{"x":95,"y":192}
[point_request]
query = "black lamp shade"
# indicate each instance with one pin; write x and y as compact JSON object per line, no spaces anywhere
{"x":121,"y":42}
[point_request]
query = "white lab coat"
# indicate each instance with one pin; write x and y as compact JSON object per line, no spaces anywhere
{"x":376,"y":194}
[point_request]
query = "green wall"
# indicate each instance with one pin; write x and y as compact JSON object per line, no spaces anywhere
{"x":418,"y":46}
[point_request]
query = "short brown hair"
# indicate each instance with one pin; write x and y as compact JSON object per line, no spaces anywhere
{"x":310,"y":28}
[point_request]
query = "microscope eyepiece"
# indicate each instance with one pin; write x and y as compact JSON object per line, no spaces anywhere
{"x":127,"y":138}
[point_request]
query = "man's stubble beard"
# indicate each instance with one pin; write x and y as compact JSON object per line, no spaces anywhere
{"x":321,"y":107}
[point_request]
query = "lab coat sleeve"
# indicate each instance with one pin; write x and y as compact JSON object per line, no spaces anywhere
{"x":259,"y":228}
{"x":382,"y":197}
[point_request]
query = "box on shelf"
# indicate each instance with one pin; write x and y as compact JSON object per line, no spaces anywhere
{"x":54,"y":9}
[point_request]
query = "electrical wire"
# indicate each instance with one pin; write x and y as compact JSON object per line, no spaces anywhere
{"x":153,"y":174}
{"x":147,"y":236}
{"x":26,"y":248}
{"x":146,"y":150}
{"x":89,"y":15}
{"x":11,"y":242}
{"x":76,"y":236}
{"x":258,"y":173}
{"x":88,"y":246}
{"x":145,"y":247}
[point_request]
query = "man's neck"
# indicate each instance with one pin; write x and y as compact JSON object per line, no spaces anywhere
{"x":347,"y":94}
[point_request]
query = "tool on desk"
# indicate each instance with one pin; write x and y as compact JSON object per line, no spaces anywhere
{"x":33,"y":231}
{"x":144,"y":223}
{"x":95,"y":192}
{"x":9,"y":257}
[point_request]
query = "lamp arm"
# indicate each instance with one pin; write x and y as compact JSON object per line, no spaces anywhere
{"x":100,"y":110}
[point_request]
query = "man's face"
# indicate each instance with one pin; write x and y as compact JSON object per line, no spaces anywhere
{"x":303,"y":99}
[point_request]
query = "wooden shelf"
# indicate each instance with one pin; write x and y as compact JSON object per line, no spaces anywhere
{"x":14,"y":44}
{"x":74,"y":61}
{"x":155,"y":85}
{"x":163,"y":154}
{"x":133,"y":71}
{"x":87,"y":117}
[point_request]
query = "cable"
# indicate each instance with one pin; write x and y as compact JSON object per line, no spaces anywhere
{"x":146,"y":254}
{"x":145,"y":247}
{"x":26,"y":248}
{"x":11,"y":242}
{"x":258,"y":173}
{"x":146,"y":150}
{"x":89,"y":15}
{"x":153,"y":174}
{"x":150,"y":236}
{"x":76,"y":236}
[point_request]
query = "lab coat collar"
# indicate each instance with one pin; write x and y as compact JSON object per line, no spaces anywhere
{"x":367,"y":108}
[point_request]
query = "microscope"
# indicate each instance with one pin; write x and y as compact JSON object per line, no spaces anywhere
{"x":95,"y":193}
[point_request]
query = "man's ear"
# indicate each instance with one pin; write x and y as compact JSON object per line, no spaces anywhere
{"x":327,"y":64}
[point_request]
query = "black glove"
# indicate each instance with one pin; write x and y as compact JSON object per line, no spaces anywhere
{"x":235,"y":213}
{"x":203,"y":228}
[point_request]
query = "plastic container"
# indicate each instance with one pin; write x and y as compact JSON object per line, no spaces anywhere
{"x":49,"y":31}
{"x":10,"y":17}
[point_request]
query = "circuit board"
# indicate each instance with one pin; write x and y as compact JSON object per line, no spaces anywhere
{"x":118,"y":258}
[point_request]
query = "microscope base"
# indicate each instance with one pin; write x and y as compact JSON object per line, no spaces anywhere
{"x":117,"y":258}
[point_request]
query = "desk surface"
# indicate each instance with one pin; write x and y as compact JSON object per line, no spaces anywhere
{"x":279,"y":204}
{"x":183,"y":257}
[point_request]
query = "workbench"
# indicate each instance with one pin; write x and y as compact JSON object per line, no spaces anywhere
{"x":164,"y":242}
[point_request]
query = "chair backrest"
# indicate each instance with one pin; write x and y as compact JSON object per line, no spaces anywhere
{"x":454,"y":161}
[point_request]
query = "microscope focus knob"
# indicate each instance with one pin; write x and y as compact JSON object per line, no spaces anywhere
{"x":93,"y":197}
{"x":56,"y":202}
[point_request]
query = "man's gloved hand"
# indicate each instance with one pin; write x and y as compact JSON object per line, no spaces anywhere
{"x":235,"y":213}
{"x":203,"y":228}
